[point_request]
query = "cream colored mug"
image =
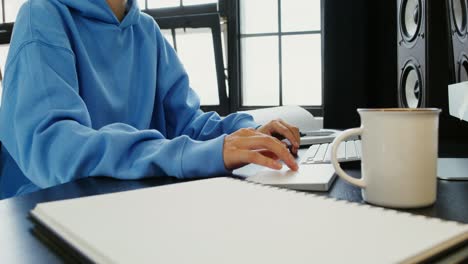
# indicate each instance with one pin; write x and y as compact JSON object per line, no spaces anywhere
{"x":398,"y":156}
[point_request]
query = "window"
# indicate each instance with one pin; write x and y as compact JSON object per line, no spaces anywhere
{"x":195,"y":47}
{"x":151,"y":4}
{"x":11,"y":8}
{"x":280,"y":52}
{"x":199,"y":46}
{"x":193,"y":27}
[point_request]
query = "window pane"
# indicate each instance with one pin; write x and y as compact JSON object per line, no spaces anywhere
{"x":300,"y":15}
{"x":163,"y":3}
{"x":258,"y":16}
{"x":11,"y":9}
{"x":302,"y":70}
{"x":195,"y":48}
{"x":260,"y":71}
{"x":199,"y":2}
{"x":141,"y":4}
{"x":168,"y":35}
{"x":224,"y":43}
{"x":3,"y":56}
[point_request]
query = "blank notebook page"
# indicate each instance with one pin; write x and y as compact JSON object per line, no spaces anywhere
{"x":225,"y":220}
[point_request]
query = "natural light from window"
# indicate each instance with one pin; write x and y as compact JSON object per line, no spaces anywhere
{"x":195,"y":47}
{"x":196,"y":51}
{"x":173,"y":3}
{"x":281,"y":52}
{"x":11,"y":9}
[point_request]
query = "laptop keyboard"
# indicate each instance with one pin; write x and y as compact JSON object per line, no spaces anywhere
{"x":320,"y":153}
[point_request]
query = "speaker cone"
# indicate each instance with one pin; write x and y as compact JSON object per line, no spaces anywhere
{"x":462,"y":74}
{"x":410,"y":19}
{"x":459,"y":16}
{"x":411,"y":86}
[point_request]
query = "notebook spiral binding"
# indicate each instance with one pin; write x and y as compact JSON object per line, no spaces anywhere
{"x":345,"y":202}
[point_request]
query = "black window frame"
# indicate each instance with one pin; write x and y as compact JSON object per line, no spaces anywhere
{"x":235,"y":62}
{"x":6,"y":29}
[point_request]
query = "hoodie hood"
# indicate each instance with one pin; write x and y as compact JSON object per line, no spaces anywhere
{"x":100,"y":10}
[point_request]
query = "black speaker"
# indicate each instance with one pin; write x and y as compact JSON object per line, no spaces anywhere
{"x":412,"y":49}
{"x":432,"y":52}
{"x":454,"y":132}
{"x":422,"y":53}
{"x":457,"y":14}
{"x":411,"y":53}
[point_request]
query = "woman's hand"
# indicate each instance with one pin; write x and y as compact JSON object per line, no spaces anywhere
{"x":250,"y":146}
{"x":280,"y":129}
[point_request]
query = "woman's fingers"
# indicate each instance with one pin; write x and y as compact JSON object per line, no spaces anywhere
{"x":259,"y":159}
{"x":243,"y":147}
{"x":279,"y":127}
{"x":294,"y":135}
{"x":294,"y":132}
{"x":268,"y":154}
{"x":271,"y":144}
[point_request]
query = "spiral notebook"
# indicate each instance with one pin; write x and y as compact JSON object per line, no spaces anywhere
{"x":224,"y":220}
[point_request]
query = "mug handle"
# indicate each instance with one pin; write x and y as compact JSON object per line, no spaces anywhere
{"x":339,"y":171}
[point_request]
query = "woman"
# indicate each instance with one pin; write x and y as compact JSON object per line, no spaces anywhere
{"x":92,"y":88}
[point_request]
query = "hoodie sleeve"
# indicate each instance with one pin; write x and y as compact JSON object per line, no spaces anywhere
{"x":50,"y":136}
{"x":182,"y":105}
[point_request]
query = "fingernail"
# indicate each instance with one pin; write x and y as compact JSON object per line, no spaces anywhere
{"x":295,"y":167}
{"x":278,"y":165}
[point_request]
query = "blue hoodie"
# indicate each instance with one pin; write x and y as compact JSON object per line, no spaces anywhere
{"x":87,"y":95}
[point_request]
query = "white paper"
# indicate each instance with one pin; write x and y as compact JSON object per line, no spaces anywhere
{"x":458,"y":100}
{"x":294,"y":115}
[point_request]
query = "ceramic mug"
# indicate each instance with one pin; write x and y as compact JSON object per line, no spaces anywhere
{"x":398,"y":156}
